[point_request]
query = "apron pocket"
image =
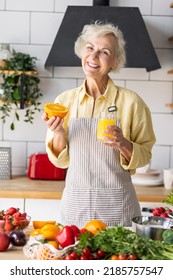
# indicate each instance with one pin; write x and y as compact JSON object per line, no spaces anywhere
{"x":107,"y":205}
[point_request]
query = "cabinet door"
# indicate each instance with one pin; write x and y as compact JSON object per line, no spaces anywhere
{"x":42,"y":209}
{"x":6,"y":203}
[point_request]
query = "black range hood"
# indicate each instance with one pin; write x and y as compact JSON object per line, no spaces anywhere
{"x":139,"y":48}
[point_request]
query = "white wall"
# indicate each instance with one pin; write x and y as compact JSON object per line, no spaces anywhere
{"x":31,"y":26}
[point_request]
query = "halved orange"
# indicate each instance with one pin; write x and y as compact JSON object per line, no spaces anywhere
{"x":95,"y":226}
{"x":40,"y":224}
{"x":56,"y":110}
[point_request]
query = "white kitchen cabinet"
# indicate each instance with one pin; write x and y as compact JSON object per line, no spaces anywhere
{"x":42,"y":209}
{"x":6,"y":203}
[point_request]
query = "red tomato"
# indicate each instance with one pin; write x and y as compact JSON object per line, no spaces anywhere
{"x":83,"y":230}
{"x":132,"y":257}
{"x":122,"y":257}
{"x":74,"y":255}
{"x":68,"y":257}
{"x":86,"y":251}
{"x":100,"y":254}
{"x":83,"y":257}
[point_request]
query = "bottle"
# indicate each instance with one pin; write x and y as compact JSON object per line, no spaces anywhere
{"x":5,"y":54}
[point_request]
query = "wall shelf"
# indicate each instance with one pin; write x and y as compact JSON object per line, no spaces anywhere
{"x":11,"y":72}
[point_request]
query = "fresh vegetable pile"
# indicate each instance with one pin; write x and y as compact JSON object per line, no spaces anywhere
{"x":95,"y":241}
{"x":118,"y":241}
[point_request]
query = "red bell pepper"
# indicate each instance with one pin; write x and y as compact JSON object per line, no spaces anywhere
{"x":65,"y":236}
{"x":76,"y":232}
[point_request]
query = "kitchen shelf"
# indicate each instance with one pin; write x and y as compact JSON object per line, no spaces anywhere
{"x":11,"y":72}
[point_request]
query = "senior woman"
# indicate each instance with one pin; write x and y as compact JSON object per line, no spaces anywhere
{"x":98,"y":182}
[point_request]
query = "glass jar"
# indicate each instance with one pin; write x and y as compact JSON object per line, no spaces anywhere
{"x":5,"y":54}
{"x":5,"y":51}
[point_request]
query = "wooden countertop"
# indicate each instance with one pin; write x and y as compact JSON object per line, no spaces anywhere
{"x":13,"y":253}
{"x":23,"y":187}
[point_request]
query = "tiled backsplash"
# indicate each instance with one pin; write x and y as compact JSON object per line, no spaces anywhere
{"x":31,"y":27}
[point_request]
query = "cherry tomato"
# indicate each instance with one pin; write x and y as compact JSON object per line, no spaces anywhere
{"x":83,"y":230}
{"x":83,"y":257}
{"x":114,"y":257}
{"x":86,"y":251}
{"x":91,"y":257}
{"x":132,"y":257}
{"x":100,"y":254}
{"x":122,"y":257}
{"x":68,"y":257}
{"x":74,"y":255}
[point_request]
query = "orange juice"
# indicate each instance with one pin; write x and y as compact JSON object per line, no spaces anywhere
{"x":102,"y":125}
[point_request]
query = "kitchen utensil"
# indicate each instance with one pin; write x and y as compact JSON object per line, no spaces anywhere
{"x":151,"y":173}
{"x":5,"y":163}
{"x":151,"y":226}
{"x":41,"y":168}
{"x":147,"y":181}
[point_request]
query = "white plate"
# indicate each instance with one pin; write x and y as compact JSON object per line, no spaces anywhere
{"x":147,"y":181}
{"x":149,"y":173}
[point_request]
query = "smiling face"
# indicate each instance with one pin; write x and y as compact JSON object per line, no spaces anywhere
{"x":98,"y":56}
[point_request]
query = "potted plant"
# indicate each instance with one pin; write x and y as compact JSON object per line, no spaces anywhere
{"x":20,"y":87}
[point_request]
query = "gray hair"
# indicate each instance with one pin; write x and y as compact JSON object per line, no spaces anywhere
{"x":99,"y":28}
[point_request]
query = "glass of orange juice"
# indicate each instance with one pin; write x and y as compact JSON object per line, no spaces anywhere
{"x":106,"y":118}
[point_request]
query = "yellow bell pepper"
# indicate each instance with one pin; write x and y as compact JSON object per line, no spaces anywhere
{"x":49,"y":231}
{"x":35,"y":232}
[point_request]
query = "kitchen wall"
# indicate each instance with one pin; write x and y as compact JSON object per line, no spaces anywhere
{"x":30,"y":26}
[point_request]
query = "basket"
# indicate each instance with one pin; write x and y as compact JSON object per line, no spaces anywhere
{"x":5,"y":163}
{"x":36,"y":250}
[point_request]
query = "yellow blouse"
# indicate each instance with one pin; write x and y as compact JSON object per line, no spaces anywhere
{"x":132,"y":112}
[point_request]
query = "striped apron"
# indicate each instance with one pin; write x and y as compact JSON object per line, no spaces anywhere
{"x":97,"y":187}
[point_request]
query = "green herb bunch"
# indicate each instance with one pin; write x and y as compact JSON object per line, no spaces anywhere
{"x":120,"y":240}
{"x":20,"y":88}
{"x":169,"y":198}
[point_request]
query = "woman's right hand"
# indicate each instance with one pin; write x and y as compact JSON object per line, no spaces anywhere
{"x":54,"y":124}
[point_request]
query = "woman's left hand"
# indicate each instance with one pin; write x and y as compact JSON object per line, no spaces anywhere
{"x":116,"y":138}
{"x":118,"y":141}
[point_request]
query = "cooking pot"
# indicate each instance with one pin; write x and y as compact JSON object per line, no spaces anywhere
{"x":151,"y":226}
